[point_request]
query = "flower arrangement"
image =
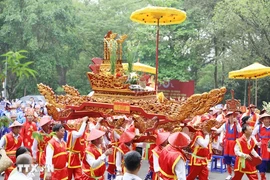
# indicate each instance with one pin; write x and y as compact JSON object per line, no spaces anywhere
{"x":133,"y":78}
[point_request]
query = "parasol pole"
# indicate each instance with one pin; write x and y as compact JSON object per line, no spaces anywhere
{"x":245,"y":96}
{"x":249,"y":87}
{"x":156,"y":83}
{"x":256,"y":91}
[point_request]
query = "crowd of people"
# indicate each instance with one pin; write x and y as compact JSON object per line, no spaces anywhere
{"x":88,"y":149}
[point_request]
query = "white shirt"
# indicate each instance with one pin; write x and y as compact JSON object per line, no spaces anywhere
{"x":256,"y":129}
{"x":35,"y":146}
{"x":128,"y":176}
{"x":238,"y":152}
{"x":3,"y":140}
{"x":77,"y":134}
{"x":50,"y":151}
{"x":180,"y":170}
{"x":223,"y":128}
{"x":155,"y":162}
{"x":18,"y":176}
{"x":95,"y":162}
{"x":118,"y":159}
{"x":203,"y":142}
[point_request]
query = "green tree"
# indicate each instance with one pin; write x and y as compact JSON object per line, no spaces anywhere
{"x":16,"y":69}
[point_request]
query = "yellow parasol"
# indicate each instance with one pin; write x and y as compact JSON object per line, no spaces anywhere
{"x":152,"y":15}
{"x":140,"y":67}
{"x":253,"y":71}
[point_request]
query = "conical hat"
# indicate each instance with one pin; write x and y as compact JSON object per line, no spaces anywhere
{"x":162,"y":137}
{"x":44,"y":120}
{"x":131,"y":128}
{"x":15,"y":124}
{"x":126,"y":137}
{"x":95,"y":134}
{"x":229,"y":113}
{"x":263,"y":116}
{"x":179,"y":139}
{"x":204,"y":117}
{"x":251,"y":106}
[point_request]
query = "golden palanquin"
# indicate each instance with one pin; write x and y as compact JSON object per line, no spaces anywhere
{"x":147,"y":109}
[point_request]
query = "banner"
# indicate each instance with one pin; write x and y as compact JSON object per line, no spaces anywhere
{"x":177,"y":89}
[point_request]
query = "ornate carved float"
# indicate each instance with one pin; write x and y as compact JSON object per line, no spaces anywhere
{"x":113,"y":97}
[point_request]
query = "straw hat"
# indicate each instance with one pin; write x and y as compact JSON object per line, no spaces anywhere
{"x":204,"y":117}
{"x":251,"y":106}
{"x":229,"y":113}
{"x":263,"y":116}
{"x":15,"y":124}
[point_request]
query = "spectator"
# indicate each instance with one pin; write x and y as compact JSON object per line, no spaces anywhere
{"x":132,"y":162}
{"x":23,"y":150}
{"x":22,"y":170}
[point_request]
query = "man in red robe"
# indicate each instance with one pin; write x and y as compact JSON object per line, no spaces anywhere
{"x":28,"y":128}
{"x":75,"y":146}
{"x":201,"y":150}
{"x":263,"y":132}
{"x":93,"y":163}
{"x":114,"y":138}
{"x":161,"y":142}
{"x":244,"y":148}
{"x":253,"y":115}
{"x":231,"y":129}
{"x":56,"y":155}
{"x":125,"y":146}
{"x":40,"y":144}
{"x":172,"y":159}
{"x":11,"y":142}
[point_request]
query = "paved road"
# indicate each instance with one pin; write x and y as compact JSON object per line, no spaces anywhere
{"x":212,"y":176}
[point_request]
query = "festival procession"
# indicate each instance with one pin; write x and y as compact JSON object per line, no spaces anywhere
{"x":127,"y":127}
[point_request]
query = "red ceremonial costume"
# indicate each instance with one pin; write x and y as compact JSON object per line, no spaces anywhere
{"x":148,"y":154}
{"x":59,"y":159}
{"x":171,"y":159}
{"x":111,"y":158}
{"x":156,"y":151}
{"x":161,"y":141}
{"x":26,"y":132}
{"x":93,"y":165}
{"x":243,"y":166}
{"x":41,"y":150}
{"x":171,"y":156}
{"x":122,"y":149}
{"x":199,"y":158}
{"x":74,"y":156}
{"x":90,"y":173}
{"x":11,"y":146}
{"x":230,"y":137}
{"x":253,"y":118}
{"x":264,"y":136}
